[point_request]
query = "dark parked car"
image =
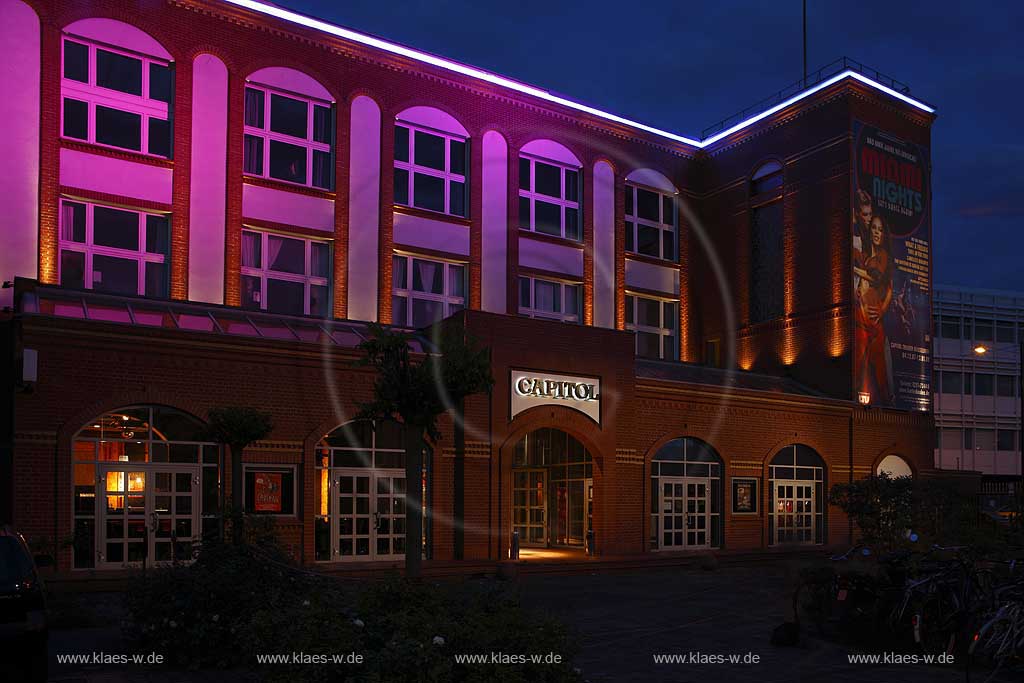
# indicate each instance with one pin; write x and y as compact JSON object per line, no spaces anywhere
{"x":23,"y":625}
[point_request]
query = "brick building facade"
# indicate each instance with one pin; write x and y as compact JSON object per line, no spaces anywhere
{"x":212,"y":198}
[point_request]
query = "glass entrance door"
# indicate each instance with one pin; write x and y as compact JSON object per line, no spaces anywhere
{"x":794,"y":511}
{"x":368,"y":520}
{"x":684,"y":513}
{"x":529,"y":508}
{"x":147,"y":513}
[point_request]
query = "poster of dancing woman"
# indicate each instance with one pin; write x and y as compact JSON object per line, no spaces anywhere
{"x":891,"y":270}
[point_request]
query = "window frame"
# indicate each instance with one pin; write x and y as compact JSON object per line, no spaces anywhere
{"x":661,"y":331}
{"x":95,"y":95}
{"x":634,"y":221}
{"x":447,"y":175}
{"x":446,"y":298}
{"x":91,"y":250}
{"x":562,"y":316}
{"x":308,"y":143}
{"x":264,"y":272}
{"x":533,"y":196}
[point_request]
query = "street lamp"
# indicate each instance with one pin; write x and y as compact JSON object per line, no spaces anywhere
{"x":981,"y":350}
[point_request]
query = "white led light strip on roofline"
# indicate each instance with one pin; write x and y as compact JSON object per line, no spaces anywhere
{"x":473,"y":72}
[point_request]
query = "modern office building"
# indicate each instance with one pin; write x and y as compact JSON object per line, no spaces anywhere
{"x":977,"y":335}
{"x":207,"y":200}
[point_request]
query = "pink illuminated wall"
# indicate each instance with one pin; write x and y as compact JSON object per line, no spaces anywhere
{"x":364,"y":209}
{"x":209,"y":180}
{"x":604,"y":245}
{"x":494,"y":222}
{"x":19,"y":143}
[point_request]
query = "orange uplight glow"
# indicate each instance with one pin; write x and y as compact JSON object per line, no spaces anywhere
{"x":980,"y":350}
{"x":323,"y":492}
{"x":864,"y":398}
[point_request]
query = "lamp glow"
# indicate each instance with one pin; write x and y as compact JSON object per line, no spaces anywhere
{"x":980,"y":350}
{"x":864,"y":398}
{"x":473,"y":72}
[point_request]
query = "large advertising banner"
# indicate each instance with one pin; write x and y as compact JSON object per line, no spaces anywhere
{"x":891,"y":270}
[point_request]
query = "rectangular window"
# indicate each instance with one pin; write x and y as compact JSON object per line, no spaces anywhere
{"x":766,"y":268}
{"x":651,"y":223}
{"x":116,"y":98}
{"x":285,"y":274}
{"x":424,"y":291}
{"x":549,"y":201}
{"x":1006,"y":440}
{"x":1005,"y":332}
{"x":952,"y":382}
{"x":269,"y":490}
{"x":983,"y":384}
{"x":550,"y":299}
{"x":288,"y":138}
{"x":1005,"y":386}
{"x":949,"y":327}
{"x":656,"y":324}
{"x":984,"y":439}
{"x":114,"y":250}
{"x":983,"y":330}
{"x":430,"y":170}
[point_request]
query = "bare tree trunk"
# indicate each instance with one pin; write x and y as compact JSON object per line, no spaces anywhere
{"x":460,"y":480}
{"x":237,"y":489}
{"x":413,"y":501}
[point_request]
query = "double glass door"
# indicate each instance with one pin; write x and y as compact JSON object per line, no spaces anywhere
{"x":148,"y":514}
{"x":368,"y":514}
{"x":794,"y":511}
{"x":549,"y":511}
{"x":684,"y":513}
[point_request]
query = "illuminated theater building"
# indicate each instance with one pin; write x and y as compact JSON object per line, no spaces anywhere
{"x":207,"y":200}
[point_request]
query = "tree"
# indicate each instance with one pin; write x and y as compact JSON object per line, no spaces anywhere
{"x":237,"y":427}
{"x":416,"y":394}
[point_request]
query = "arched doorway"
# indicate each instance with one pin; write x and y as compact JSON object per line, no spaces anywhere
{"x":146,"y":488}
{"x":360,"y":494}
{"x":796,"y":496}
{"x":686,"y":496}
{"x":552,"y":490}
{"x":894,"y":466}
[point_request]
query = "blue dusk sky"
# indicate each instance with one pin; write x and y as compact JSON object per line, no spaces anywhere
{"x":683,"y":66}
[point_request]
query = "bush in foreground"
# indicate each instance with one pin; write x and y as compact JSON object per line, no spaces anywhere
{"x":235,"y":602}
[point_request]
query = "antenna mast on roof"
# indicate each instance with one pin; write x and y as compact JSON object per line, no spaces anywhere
{"x":805,"y":43}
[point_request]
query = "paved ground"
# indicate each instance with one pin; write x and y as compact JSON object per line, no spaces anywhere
{"x":622,"y":620}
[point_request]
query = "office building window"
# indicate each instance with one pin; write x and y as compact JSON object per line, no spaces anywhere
{"x":549,"y":198}
{"x":114,"y":250}
{"x":983,"y":384}
{"x":1005,"y":332}
{"x":1006,"y":440}
{"x":949,"y":327}
{"x":1005,"y":386}
{"x":431,"y":170}
{"x":285,"y":274}
{"x":767,"y":283}
{"x":540,"y":298}
{"x":424,"y":291}
{"x":116,"y":98}
{"x":983,"y":330}
{"x":651,"y":223}
{"x":288,"y":137}
{"x":656,"y":323}
{"x":952,"y":382}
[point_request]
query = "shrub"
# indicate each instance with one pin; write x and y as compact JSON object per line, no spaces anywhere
{"x":236,"y":601}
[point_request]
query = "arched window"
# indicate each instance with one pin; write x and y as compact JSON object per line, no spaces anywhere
{"x":552,"y":489}
{"x":549,"y":190}
{"x":894,"y":466}
{"x":797,"y":489}
{"x":767,"y":275}
{"x":360,"y":493}
{"x":431,"y":161}
{"x":117,"y":86}
{"x":145,"y":487}
{"x":686,"y":496}
{"x":289,"y":128}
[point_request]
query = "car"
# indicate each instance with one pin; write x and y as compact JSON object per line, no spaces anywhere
{"x":24,"y":629}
